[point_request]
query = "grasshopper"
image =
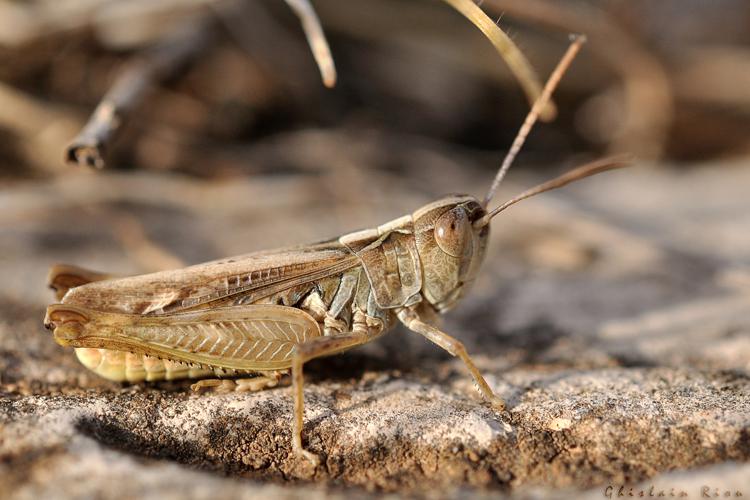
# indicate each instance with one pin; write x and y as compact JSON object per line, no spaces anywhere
{"x":243,"y":322}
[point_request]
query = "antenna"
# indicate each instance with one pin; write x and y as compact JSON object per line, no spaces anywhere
{"x":576,"y":42}
{"x":593,"y":168}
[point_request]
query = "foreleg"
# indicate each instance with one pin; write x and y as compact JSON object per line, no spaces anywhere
{"x":454,"y":346}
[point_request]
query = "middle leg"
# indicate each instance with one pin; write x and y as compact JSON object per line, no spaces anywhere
{"x":246,"y":384}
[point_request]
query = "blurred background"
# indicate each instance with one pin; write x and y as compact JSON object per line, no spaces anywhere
{"x":664,"y":80}
{"x":231,"y":144}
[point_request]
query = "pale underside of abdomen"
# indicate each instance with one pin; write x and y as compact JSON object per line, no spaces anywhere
{"x":121,"y":366}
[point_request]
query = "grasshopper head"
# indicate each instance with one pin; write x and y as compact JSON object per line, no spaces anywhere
{"x":450,"y":247}
{"x":451,"y":234}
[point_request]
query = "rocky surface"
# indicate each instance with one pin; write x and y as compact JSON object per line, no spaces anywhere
{"x":612,"y":316}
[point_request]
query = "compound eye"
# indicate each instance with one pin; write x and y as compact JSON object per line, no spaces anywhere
{"x":453,"y":232}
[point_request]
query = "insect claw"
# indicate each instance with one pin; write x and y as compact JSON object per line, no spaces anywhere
{"x":498,"y":405}
{"x":309,"y":456}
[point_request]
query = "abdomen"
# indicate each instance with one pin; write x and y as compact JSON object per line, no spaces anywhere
{"x":121,"y":366}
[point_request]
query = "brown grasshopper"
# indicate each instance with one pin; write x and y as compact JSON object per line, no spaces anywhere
{"x":257,"y":317}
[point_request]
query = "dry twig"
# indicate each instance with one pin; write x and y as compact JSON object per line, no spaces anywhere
{"x":131,"y":86}
{"x":316,"y":38}
{"x":513,"y":57}
{"x":648,"y":94}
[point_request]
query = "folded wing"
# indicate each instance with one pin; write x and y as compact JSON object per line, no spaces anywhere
{"x":254,"y":275}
